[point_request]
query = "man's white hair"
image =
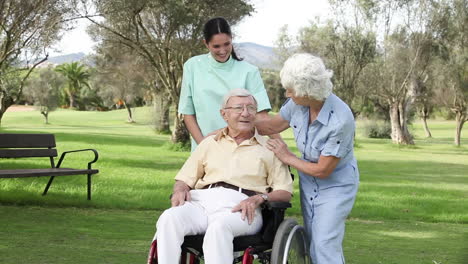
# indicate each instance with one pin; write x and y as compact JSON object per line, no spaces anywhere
{"x":236,"y":92}
{"x":307,"y":75}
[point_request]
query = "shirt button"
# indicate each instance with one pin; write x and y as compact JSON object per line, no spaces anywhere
{"x":311,"y":198}
{"x":295,"y":126}
{"x":303,"y":143}
{"x":331,"y":111}
{"x":338,"y":142}
{"x":315,"y":190}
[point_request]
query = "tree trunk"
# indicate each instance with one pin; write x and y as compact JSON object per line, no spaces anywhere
{"x":405,"y":108}
{"x":46,"y":116}
{"x":180,"y":133}
{"x":72,"y":100}
{"x":5,"y":102}
{"x":161,"y":107}
{"x":424,"y":114}
{"x":1,"y":115}
{"x":426,"y":128}
{"x":398,"y":135}
{"x":129,"y":112}
{"x":460,"y":119}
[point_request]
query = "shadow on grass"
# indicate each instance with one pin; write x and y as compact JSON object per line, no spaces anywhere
{"x":400,"y":242}
{"x":412,"y":171}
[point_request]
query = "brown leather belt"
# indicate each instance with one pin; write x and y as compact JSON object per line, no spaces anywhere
{"x":230,"y":186}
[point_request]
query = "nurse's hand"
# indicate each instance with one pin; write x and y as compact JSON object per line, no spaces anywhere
{"x":280,"y":149}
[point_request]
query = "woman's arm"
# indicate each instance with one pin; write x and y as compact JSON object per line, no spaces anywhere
{"x":268,"y":125}
{"x":192,"y":126}
{"x":322,"y":169}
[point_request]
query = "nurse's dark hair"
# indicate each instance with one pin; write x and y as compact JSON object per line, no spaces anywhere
{"x":215,"y":26}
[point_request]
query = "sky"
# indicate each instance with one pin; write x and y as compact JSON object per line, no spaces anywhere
{"x":261,"y":27}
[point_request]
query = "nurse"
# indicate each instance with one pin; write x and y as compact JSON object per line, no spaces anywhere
{"x":323,"y":127}
{"x":208,"y":77}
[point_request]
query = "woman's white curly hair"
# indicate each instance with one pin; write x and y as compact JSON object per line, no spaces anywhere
{"x":307,"y":75}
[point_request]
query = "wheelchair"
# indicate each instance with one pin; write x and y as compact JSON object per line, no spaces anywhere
{"x":279,"y":241}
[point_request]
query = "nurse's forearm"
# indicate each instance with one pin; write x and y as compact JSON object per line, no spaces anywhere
{"x":192,"y":126}
{"x":322,"y":169}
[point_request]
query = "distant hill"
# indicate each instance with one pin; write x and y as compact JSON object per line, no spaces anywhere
{"x":67,"y":58}
{"x":261,"y":56}
{"x":258,"y":55}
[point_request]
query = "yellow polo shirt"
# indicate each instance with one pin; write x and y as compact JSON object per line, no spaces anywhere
{"x":249,"y":165}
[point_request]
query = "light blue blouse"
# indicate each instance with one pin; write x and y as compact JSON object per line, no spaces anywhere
{"x":206,"y":81}
{"x":331,"y":134}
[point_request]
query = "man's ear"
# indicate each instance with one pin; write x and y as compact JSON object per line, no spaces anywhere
{"x":223,"y":114}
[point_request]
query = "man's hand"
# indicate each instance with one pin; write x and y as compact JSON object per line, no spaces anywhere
{"x":180,"y":194}
{"x":247,"y":207}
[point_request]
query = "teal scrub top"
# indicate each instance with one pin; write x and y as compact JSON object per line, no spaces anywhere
{"x":206,"y":81}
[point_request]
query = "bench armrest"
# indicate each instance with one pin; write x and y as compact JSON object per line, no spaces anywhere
{"x":96,"y":156}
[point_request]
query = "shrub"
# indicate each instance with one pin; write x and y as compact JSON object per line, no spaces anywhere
{"x":377,"y":129}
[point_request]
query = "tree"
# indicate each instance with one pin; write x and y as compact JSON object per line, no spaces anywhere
{"x":274,"y":88}
{"x":77,"y":76}
{"x":424,"y":105}
{"x":165,"y":33}
{"x":109,"y":47}
{"x":347,"y":50}
{"x":404,"y":55}
{"x":119,"y":77}
{"x":43,"y":88}
{"x":452,"y":76}
{"x":284,"y":46}
{"x":26,"y":29}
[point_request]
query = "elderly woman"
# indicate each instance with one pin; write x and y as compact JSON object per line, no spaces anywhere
{"x":323,"y":127}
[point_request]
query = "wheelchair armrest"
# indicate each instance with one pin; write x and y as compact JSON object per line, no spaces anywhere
{"x":277,"y":205}
{"x":273,"y":215}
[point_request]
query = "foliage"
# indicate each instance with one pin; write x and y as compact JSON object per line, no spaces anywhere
{"x":43,"y":90}
{"x":451,"y":67}
{"x":284,"y":46}
{"x":27,"y":28}
{"x":274,"y":88}
{"x":347,"y":50}
{"x":166,"y":34}
{"x":119,"y":77}
{"x":376,"y":129}
{"x":77,"y":77}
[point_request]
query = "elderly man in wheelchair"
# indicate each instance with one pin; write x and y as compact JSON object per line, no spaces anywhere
{"x":219,"y":192}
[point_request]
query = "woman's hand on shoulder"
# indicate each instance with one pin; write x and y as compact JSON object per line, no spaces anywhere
{"x":281,"y":150}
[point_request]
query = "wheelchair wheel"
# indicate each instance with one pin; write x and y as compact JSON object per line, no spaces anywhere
{"x":290,"y":244}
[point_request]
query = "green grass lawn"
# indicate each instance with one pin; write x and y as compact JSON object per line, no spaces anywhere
{"x":412,"y":205}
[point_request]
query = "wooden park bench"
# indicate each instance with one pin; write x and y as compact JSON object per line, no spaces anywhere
{"x":39,"y":145}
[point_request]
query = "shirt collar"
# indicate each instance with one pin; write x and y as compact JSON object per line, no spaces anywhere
{"x":326,"y":111}
{"x":257,"y":138}
{"x":217,"y":64}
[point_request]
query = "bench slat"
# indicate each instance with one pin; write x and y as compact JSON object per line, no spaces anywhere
{"x":26,"y":153}
{"x":27,"y":140}
{"x":44,"y":172}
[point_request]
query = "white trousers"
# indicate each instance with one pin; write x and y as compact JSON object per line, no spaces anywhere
{"x":208,"y":212}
